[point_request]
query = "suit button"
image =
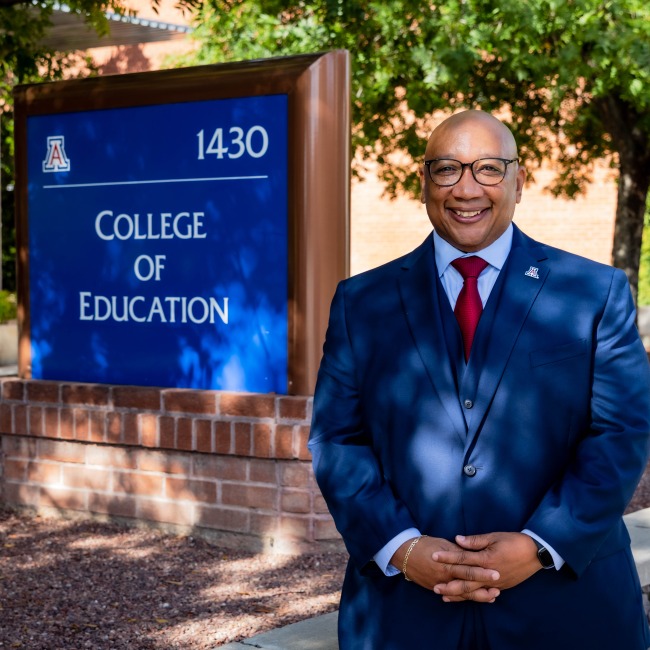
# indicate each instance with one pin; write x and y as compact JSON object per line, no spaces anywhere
{"x":468,"y":403}
{"x":469,"y":470}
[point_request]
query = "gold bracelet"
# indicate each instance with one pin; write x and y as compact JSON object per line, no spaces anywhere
{"x":408,"y":552}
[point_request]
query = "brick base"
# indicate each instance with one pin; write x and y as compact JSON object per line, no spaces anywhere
{"x":230,"y":467}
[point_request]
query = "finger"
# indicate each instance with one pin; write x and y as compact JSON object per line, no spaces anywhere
{"x":463,"y":588}
{"x":481,"y":595}
{"x":472,"y":573}
{"x":466,"y":558}
{"x":473,"y":542}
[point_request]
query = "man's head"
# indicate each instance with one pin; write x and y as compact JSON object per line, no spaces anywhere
{"x":468,"y":214}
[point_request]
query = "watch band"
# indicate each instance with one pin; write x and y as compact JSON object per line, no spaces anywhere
{"x":544,"y":556}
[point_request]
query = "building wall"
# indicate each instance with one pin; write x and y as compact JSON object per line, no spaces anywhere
{"x":230,"y":467}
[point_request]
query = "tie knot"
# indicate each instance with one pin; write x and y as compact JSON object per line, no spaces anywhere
{"x":469,"y":267}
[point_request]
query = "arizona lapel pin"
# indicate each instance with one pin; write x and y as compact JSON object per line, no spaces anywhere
{"x":533,"y":272}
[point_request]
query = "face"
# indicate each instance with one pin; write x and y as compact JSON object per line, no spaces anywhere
{"x":468,"y":215}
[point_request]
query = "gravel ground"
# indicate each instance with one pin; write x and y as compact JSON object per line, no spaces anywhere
{"x":68,"y":585}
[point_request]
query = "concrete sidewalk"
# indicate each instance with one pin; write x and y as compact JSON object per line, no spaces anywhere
{"x":313,"y":634}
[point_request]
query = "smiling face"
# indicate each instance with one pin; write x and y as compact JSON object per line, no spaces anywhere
{"x":468,"y":215}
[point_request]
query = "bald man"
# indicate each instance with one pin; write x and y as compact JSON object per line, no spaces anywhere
{"x":481,"y":420}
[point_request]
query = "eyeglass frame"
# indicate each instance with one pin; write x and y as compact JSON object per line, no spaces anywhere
{"x":427,"y":164}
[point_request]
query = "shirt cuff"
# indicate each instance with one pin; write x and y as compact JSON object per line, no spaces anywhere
{"x":383,"y":556}
{"x":557,"y":559}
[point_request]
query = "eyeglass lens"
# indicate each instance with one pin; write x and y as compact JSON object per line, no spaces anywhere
{"x":487,"y":171}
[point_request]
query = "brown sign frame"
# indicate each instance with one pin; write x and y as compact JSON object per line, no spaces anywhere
{"x":318,"y":91}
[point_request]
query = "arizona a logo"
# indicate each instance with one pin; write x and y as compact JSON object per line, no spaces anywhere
{"x":56,"y":160}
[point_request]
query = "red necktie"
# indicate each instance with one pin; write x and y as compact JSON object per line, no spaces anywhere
{"x":469,"y":306}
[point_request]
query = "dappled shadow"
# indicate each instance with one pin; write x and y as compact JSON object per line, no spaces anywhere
{"x":80,"y":584}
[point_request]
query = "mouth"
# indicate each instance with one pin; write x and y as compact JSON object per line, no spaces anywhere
{"x":468,"y":216}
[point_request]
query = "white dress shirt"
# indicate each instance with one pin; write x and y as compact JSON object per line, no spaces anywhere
{"x":495,"y":255}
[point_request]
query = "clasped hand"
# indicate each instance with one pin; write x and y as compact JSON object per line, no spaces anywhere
{"x":475,"y":567}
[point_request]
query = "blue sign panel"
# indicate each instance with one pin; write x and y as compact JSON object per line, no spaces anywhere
{"x":158,"y":245}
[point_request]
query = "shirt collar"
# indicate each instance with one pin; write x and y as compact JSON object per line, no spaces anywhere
{"x":495,"y":254}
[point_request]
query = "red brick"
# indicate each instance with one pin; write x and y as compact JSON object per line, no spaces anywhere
{"x":284,"y":441}
{"x":295,"y":501}
{"x":65,"y":452}
{"x":148,"y":429}
{"x":203,"y":430}
{"x":85,"y":394}
{"x":166,"y":427}
{"x":320,"y":507}
{"x":130,"y":429}
{"x":39,"y":391}
{"x":242,"y":438}
{"x":264,"y":524}
{"x":222,"y":438}
{"x":81,"y":424}
{"x":169,"y":463}
{"x":113,"y":427}
{"x":51,"y":421}
{"x":66,"y":424}
{"x":303,"y":438}
{"x":113,"y":457}
{"x":262,"y":437}
{"x":295,"y":527}
{"x":231,"y":519}
{"x":165,"y":511}
{"x":295,"y":474}
{"x":137,"y":483}
{"x":19,"y":494}
{"x":35,"y":417}
{"x":97,"y":422}
{"x":13,"y":389}
{"x":184,"y":440}
{"x":20,"y":420}
{"x":17,"y":447}
{"x":6,"y":419}
{"x":190,"y":401}
{"x":263,"y":471}
{"x":225,"y":468}
{"x":15,"y":470}
{"x":191,"y":490}
{"x":247,"y":405}
{"x":46,"y":473}
{"x":325,"y":529}
{"x":63,"y":498}
{"x":122,"y":506}
{"x":292,"y":408}
{"x":85,"y":478}
{"x":136,"y":397}
{"x":249,"y":496}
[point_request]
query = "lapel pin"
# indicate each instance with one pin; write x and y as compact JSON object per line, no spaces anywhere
{"x":533,"y":272}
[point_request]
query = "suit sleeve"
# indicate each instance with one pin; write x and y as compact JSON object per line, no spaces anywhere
{"x":579,"y":513}
{"x":348,"y":472}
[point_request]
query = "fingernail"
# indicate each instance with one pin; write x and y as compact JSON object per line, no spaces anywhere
{"x":445,"y":599}
{"x":434,"y":557}
{"x":436,"y":590}
{"x":461,"y":537}
{"x":495,"y":575}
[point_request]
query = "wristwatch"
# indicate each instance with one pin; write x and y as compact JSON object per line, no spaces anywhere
{"x":544,"y":556}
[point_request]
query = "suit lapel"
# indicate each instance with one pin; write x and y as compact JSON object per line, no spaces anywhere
{"x":525,"y":274}
{"x":419,"y":294}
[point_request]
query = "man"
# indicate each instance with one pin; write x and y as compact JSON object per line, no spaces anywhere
{"x":478,"y":478}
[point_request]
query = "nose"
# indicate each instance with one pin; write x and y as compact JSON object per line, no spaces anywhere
{"x":467,"y":187}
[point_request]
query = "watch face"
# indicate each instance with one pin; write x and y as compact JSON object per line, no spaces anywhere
{"x":545,"y":558}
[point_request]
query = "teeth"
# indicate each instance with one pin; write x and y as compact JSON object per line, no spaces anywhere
{"x":467,"y":215}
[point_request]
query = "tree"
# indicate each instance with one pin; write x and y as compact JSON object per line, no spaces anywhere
{"x":24,"y":59}
{"x":571,"y":77}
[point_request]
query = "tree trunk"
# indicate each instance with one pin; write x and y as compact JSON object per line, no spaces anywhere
{"x":633,"y":147}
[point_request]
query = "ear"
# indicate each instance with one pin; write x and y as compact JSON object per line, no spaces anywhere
{"x":520,"y":179}
{"x":423,"y":189}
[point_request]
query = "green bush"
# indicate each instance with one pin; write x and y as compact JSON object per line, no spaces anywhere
{"x":644,"y":267}
{"x":7,"y":306}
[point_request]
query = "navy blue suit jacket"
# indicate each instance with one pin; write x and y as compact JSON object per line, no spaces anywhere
{"x":558,"y":432}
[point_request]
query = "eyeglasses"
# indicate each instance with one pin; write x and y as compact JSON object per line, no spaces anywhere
{"x":486,"y":171}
